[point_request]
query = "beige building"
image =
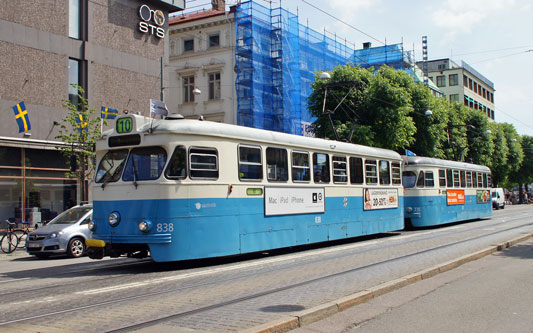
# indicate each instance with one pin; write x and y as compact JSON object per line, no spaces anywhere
{"x":201,"y":71}
{"x":112,"y":48}
{"x":463,"y":84}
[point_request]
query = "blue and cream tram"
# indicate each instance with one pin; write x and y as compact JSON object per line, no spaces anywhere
{"x":181,"y":189}
{"x":440,"y":191}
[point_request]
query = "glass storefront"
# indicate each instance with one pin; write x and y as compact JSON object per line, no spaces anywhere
{"x":33,"y":185}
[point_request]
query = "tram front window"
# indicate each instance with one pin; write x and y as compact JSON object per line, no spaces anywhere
{"x":111,"y":166}
{"x":145,"y":164}
{"x":409,"y":179}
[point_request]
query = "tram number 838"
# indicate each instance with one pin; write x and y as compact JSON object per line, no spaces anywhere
{"x":165,"y":227}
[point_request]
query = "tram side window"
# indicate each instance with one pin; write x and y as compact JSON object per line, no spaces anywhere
{"x":371,"y":172}
{"x":111,"y":166}
{"x":485,"y":182}
{"x":300,"y":167}
{"x":469,"y":179}
{"x":277,"y":164}
{"x":145,"y":163}
{"x":421,"y":179}
{"x":489,"y":180}
{"x":456,"y":180}
{"x":429,"y":182}
{"x":463,"y":178}
{"x":409,"y":179}
{"x":250,"y":165}
{"x":321,"y":168}
{"x":479,"y":179}
{"x":396,"y":173}
{"x":356,"y":170}
{"x":384,"y":173}
{"x":442,"y":178}
{"x":340,"y":172}
{"x":474,"y":179}
{"x":449,"y":177}
{"x":203,"y":163}
{"x":177,"y":167}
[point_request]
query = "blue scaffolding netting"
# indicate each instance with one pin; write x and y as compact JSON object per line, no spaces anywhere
{"x":276,"y":59}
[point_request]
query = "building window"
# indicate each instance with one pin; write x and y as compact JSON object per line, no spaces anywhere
{"x":484,"y":93}
{"x":492,"y":98}
{"x":454,"y":79}
{"x":188,"y":87}
{"x":74,"y":19}
{"x":214,"y":85}
{"x":188,"y":45}
{"x":454,"y":97}
{"x":475,"y":87}
{"x":465,"y":81}
{"x":73,"y":78}
{"x":470,"y":84}
{"x":214,"y":40}
{"x":441,"y":81}
{"x":492,"y":114}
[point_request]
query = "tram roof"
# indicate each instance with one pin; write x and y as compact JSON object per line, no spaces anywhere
{"x":419,"y":160}
{"x":235,"y":132}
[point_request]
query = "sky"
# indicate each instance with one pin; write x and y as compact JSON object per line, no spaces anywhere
{"x":493,"y":36}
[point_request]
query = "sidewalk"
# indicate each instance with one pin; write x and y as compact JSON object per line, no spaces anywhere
{"x":492,"y":294}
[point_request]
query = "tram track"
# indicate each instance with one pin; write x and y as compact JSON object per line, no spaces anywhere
{"x":252,"y":296}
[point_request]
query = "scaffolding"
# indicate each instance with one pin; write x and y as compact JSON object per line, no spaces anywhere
{"x":276,"y":59}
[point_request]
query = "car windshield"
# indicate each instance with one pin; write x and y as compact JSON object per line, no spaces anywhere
{"x":111,"y":166}
{"x":71,"y":216}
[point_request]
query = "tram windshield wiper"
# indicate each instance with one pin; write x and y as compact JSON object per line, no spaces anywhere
{"x":135,"y":176}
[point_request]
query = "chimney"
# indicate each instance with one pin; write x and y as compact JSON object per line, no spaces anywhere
{"x":218,"y":4}
{"x":366,"y":45}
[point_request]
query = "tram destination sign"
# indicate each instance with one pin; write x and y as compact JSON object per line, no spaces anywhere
{"x":292,"y":201}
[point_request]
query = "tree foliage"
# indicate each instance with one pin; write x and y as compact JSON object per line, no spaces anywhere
{"x":79,"y":130}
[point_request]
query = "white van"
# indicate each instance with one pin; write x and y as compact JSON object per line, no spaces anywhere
{"x":498,"y":198}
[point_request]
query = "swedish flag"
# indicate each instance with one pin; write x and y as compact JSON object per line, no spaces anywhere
{"x":108,"y":113}
{"x":22,"y":117}
{"x":82,"y":123}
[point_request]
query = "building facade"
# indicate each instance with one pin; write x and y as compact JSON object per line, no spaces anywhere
{"x":111,"y":48}
{"x":463,"y":84}
{"x":253,"y":66}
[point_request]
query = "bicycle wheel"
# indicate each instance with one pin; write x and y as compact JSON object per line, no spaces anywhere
{"x":9,"y":243}
{"x":21,"y":235}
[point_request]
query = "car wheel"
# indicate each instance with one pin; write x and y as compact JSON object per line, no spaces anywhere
{"x":76,"y":248}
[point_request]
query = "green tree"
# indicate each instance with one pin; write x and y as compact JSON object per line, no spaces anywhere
{"x":79,"y":129}
{"x":480,"y":145}
{"x":375,"y":105}
{"x":498,"y":160}
{"x":456,"y":131}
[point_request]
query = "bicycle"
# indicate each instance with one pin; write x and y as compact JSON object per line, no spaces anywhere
{"x":22,"y":233}
{"x":9,"y":241}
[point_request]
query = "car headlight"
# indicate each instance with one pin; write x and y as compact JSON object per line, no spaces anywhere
{"x":114,"y":219}
{"x":55,"y":234}
{"x":145,"y":225}
{"x":91,"y":226}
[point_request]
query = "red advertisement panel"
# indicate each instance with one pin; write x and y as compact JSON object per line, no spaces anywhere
{"x":455,"y":197}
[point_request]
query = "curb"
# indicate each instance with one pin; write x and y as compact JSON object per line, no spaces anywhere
{"x":306,"y":317}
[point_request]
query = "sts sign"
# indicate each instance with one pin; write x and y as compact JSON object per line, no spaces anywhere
{"x":150,"y":16}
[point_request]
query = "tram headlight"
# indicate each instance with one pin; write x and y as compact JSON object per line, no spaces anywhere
{"x":114,"y":219}
{"x":145,"y":225}
{"x":409,"y":210}
{"x":91,"y":226}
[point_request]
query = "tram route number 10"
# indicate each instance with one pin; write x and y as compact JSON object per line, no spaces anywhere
{"x":124,"y":125}
{"x":165,"y":227}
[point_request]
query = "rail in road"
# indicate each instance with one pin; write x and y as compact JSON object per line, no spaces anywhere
{"x":225,"y":295}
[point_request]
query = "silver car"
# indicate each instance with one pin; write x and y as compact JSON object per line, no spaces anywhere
{"x":65,"y":234}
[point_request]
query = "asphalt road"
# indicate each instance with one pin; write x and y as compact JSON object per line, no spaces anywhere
{"x":234,"y":294}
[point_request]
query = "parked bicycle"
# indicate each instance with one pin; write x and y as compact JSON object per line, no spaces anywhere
{"x":22,"y":233}
{"x":10,"y":240}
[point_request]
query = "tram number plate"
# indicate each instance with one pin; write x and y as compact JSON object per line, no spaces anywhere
{"x":124,"y":125}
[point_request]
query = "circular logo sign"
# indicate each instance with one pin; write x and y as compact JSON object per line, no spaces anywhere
{"x":147,"y":13}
